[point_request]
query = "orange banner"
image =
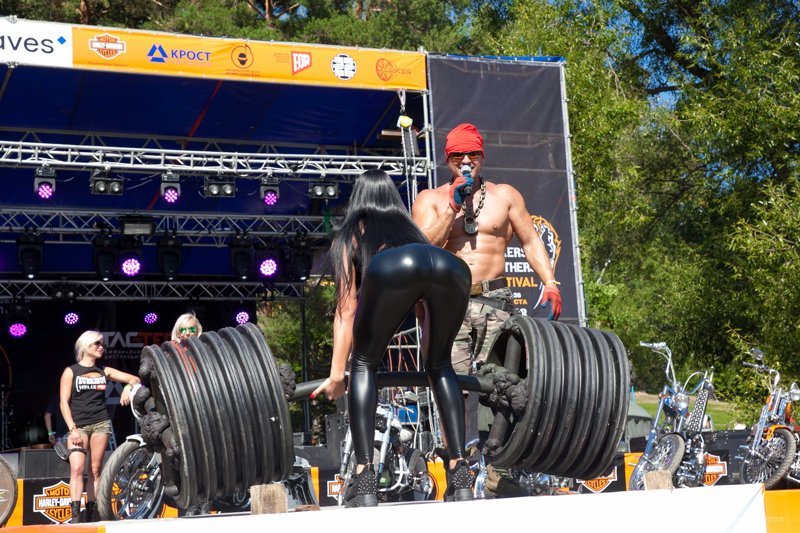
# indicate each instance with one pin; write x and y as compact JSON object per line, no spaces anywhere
{"x":180,"y":55}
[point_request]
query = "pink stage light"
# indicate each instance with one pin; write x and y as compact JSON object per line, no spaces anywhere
{"x":268,"y":267}
{"x":18,"y":329}
{"x":150,"y":318}
{"x":45,"y":191}
{"x":242,"y":317}
{"x":131,"y":267}
{"x":71,"y":319}
{"x":171,"y":195}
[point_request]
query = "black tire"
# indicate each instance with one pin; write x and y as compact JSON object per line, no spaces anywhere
{"x":421,"y":484}
{"x":667,"y":454}
{"x":773,"y":464}
{"x":130,"y":484}
{"x":8,"y":491}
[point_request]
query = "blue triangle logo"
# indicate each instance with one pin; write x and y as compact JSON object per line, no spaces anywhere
{"x":157,"y":54}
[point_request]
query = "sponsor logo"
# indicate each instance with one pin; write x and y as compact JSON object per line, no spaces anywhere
{"x":716,"y":468}
{"x":242,"y":56}
{"x":158,"y":54}
{"x":599,"y":484}
{"x":335,"y":486}
{"x":386,"y":69}
{"x":343,"y":67}
{"x":107,"y":46}
{"x":300,"y":62}
{"x":53,"y":502}
{"x":32,"y":45}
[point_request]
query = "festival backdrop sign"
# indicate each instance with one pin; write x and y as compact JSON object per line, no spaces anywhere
{"x":205,"y":57}
{"x":35,"y":43}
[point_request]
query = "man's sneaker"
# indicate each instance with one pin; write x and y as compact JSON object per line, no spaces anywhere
{"x":500,"y":484}
{"x":362,"y":490}
{"x":459,"y":483}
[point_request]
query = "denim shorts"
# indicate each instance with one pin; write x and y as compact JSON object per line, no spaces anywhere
{"x":97,"y":427}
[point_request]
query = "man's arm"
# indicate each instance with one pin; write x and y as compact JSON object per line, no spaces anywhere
{"x":435,"y":219}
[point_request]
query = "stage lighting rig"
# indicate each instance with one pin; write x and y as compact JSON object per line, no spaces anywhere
{"x":44,"y":184}
{"x":241,"y":248}
{"x":103,"y":182}
{"x":169,"y":257}
{"x":323,"y":191}
{"x":170,"y":187}
{"x":30,"y":253}
{"x":219,"y":187}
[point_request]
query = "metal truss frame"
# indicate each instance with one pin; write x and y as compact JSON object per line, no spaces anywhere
{"x":85,"y":290}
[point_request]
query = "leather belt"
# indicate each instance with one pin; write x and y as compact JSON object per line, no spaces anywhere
{"x":485,"y":286}
{"x":497,"y":304}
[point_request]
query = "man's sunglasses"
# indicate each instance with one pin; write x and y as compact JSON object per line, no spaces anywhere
{"x":457,"y":157}
{"x":190,"y":329}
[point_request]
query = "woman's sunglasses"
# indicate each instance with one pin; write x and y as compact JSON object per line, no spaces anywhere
{"x":99,"y":344}
{"x":190,"y":329}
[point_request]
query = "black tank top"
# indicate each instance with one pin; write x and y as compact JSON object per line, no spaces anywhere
{"x":88,"y":399}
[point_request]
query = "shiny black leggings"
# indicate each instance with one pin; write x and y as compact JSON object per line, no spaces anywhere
{"x":395,"y":280}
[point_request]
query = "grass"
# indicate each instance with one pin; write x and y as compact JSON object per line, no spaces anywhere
{"x":722,"y":413}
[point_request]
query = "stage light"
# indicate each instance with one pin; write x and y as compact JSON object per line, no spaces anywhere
{"x":302,"y":261}
{"x":137,"y":225}
{"x":17,"y":317}
{"x":323,"y":191}
{"x":242,"y":317}
{"x":130,"y":256}
{"x":64,"y":292}
{"x":241,"y":248}
{"x":102,"y":182}
{"x":169,"y":257}
{"x":17,"y":329}
{"x":44,"y":184}
{"x":268,"y":267}
{"x":150,"y":318}
{"x":219,"y":187}
{"x":30,"y":253}
{"x":269,"y":191}
{"x":104,"y":255}
{"x":170,"y":187}
{"x":71,"y":319}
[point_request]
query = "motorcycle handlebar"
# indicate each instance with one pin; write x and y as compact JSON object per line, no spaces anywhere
{"x":653,"y":345}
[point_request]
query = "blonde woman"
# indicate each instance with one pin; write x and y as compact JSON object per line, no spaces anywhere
{"x":186,"y":326}
{"x":83,"y":406}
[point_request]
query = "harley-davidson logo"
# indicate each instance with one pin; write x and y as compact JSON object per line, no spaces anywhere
{"x":107,"y":46}
{"x":335,"y":486}
{"x":54,"y":502}
{"x":599,"y":484}
{"x":715,"y":469}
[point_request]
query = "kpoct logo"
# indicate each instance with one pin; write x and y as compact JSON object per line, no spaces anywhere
{"x":54,"y":502}
{"x":716,"y":468}
{"x":107,"y":46}
{"x":300,"y":62}
{"x":599,"y":484}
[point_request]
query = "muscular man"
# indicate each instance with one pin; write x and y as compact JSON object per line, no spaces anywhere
{"x":498,"y":212}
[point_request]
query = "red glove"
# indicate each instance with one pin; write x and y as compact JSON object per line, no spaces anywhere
{"x":457,"y":191}
{"x":553,"y":295}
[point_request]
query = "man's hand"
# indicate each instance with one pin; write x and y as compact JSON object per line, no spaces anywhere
{"x":457,"y":191}
{"x":553,"y":295}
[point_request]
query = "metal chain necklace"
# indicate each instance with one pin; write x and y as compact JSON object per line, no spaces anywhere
{"x":470,"y":219}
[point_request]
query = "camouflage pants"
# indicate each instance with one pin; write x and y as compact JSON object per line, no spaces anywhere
{"x":479,"y":315}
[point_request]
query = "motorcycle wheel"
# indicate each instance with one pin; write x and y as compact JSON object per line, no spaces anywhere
{"x":130,"y":484}
{"x":773,"y":464}
{"x":667,"y":455}
{"x":420,"y":480}
{"x":8,"y":491}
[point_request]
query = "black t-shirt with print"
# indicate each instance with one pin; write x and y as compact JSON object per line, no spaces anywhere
{"x":88,"y":399}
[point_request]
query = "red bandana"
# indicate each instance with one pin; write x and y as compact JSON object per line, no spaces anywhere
{"x":463,"y":138}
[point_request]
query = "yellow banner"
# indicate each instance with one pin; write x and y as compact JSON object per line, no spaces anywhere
{"x":181,"y":55}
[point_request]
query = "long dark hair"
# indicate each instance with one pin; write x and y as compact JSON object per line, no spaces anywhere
{"x":375,"y":219}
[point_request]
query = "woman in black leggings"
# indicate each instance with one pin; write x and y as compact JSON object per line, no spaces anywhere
{"x":384,"y":266}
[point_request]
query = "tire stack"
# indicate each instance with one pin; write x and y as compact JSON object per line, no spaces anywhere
{"x":229,"y":425}
{"x":578,"y":386}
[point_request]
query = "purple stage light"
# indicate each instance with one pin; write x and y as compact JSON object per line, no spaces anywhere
{"x":150,"y":318}
{"x":131,"y":266}
{"x":171,"y":195}
{"x":270,"y":198}
{"x":242,"y":317}
{"x":18,"y":329}
{"x":71,"y":319}
{"x":268,"y":267}
{"x":45,"y":191}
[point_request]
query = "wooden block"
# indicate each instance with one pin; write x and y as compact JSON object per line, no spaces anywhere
{"x":657,"y":479}
{"x":268,"y":499}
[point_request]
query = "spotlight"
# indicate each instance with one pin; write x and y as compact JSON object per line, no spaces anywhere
{"x":71,"y":319}
{"x":130,"y":256}
{"x":64,"y":292}
{"x":269,"y":191}
{"x":18,"y":315}
{"x":137,"y":225}
{"x":104,"y":255}
{"x":29,"y":253}
{"x":102,"y":182}
{"x":268,"y":267}
{"x":17,"y":329}
{"x":241,"y":249}
{"x":169,"y":257}
{"x":323,"y":191}
{"x":170,"y":187}
{"x":150,"y":318}
{"x":242,"y":317}
{"x":44,"y":184}
{"x":302,"y":261}
{"x":219,"y":187}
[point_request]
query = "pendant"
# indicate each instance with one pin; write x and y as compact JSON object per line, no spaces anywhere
{"x":470,"y":225}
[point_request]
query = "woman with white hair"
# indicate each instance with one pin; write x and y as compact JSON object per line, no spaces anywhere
{"x":186,"y":326}
{"x":83,"y":405}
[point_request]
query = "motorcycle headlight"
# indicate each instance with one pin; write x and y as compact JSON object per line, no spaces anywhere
{"x":682,"y":401}
{"x":794,"y":393}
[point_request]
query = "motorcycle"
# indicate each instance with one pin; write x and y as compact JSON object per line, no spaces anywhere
{"x":771,"y":452}
{"x":675,"y":442}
